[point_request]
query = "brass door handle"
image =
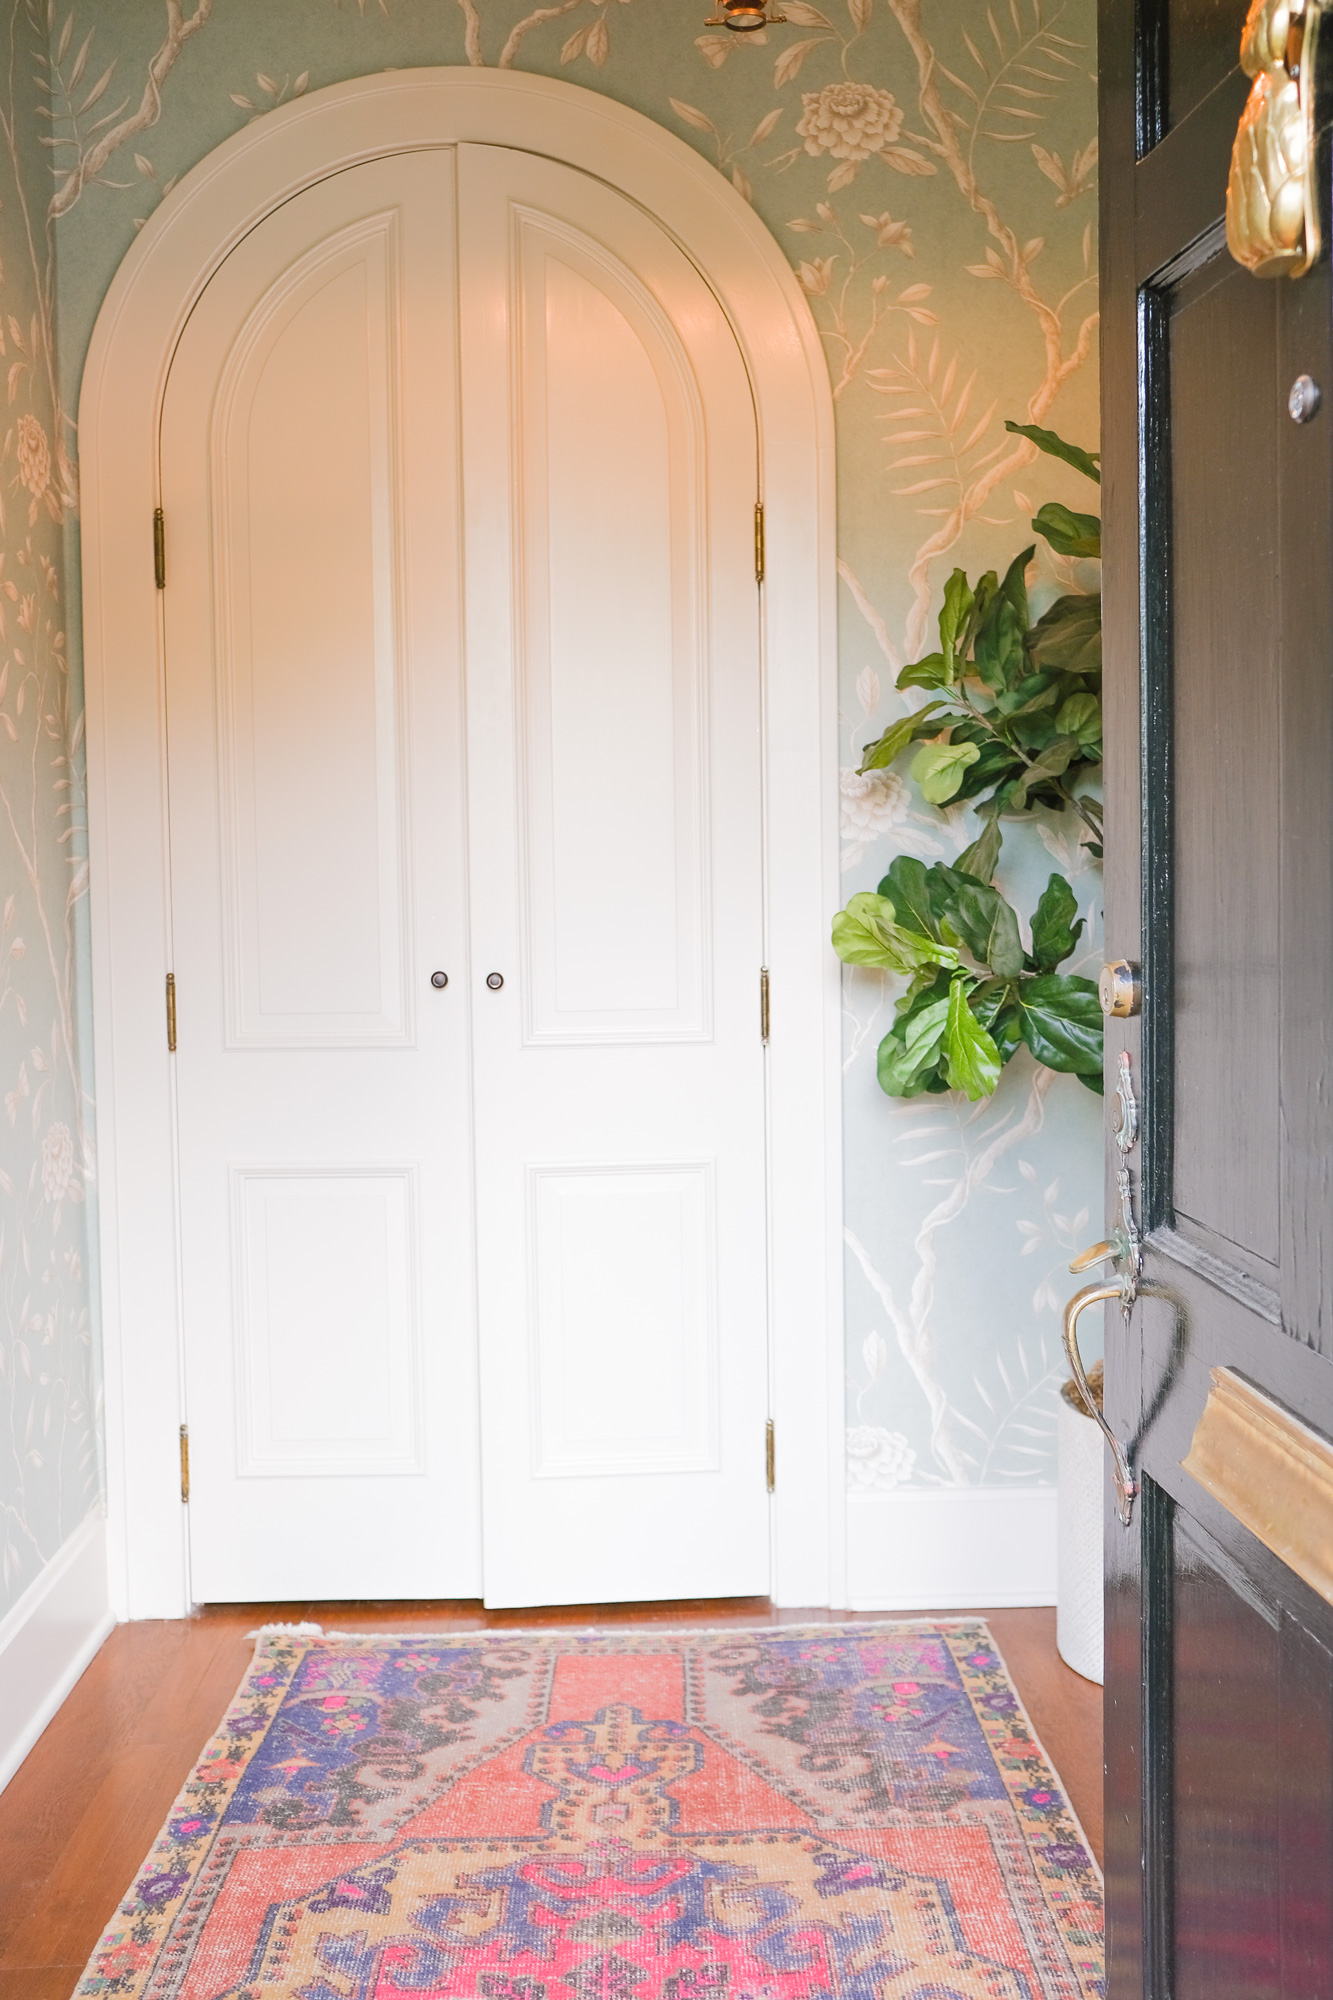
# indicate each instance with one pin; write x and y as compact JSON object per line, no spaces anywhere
{"x":1272,"y":191}
{"x":1125,"y":1485}
{"x":1100,"y":1253}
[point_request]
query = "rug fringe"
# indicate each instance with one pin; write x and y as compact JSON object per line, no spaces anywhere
{"x":306,"y":1631}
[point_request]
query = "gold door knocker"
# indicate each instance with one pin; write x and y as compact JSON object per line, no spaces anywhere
{"x":1272,"y":193}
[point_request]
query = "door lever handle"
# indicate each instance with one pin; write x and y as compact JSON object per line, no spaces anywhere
{"x":1126,"y":1486}
{"x":1100,"y":1253}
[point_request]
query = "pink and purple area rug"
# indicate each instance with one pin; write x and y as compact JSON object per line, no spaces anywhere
{"x":799,"y":1813}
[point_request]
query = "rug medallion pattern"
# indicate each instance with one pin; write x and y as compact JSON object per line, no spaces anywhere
{"x":789,"y":1814}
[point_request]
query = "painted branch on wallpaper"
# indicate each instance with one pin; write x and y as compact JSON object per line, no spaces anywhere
{"x":90,"y":159}
{"x":912,"y":1325}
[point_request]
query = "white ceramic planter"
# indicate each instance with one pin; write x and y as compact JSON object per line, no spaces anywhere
{"x":1078,"y":1616}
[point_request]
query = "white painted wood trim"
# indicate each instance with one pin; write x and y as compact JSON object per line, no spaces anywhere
{"x":951,"y":1548}
{"x":136,"y":332}
{"x":48,"y":1638}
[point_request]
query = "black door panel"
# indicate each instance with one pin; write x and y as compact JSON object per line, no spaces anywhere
{"x":1218,"y":617}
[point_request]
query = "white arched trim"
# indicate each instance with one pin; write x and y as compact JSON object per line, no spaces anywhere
{"x":124,"y":381}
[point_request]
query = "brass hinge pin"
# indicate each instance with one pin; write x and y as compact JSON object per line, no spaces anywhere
{"x":160,"y":548}
{"x":763,"y":1005}
{"x":171,"y":1013}
{"x":185,"y":1465}
{"x":758,"y":541}
{"x":770,"y":1456}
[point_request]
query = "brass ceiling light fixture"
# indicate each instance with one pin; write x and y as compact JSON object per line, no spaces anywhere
{"x":744,"y":16}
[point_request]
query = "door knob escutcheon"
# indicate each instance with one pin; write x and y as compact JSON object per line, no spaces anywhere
{"x":1120,"y":989}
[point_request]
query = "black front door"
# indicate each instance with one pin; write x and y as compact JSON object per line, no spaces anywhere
{"x":1218,"y":500}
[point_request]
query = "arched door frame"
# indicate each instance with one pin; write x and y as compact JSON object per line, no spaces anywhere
{"x":151,"y":297}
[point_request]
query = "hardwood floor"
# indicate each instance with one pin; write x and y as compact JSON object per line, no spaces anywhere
{"x":82,"y":1812}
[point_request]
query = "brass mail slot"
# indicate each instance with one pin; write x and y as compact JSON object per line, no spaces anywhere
{"x":1271,"y":1471}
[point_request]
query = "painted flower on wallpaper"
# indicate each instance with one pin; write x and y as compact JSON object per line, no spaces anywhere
{"x":870,"y":808}
{"x":849,"y":120}
{"x":57,"y":1162}
{"x":877,"y":1460}
{"x":873,"y":802}
{"x":34,"y":466}
{"x":34,"y":456}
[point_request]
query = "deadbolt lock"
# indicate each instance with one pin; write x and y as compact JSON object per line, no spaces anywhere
{"x":1120,"y":989}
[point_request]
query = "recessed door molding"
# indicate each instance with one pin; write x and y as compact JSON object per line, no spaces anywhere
{"x":141,"y":320}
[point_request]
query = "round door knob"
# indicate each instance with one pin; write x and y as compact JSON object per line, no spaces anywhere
{"x":495,"y":980}
{"x":439,"y":980}
{"x":1119,"y":990}
{"x":1304,"y":399}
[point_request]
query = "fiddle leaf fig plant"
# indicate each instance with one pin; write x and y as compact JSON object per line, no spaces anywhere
{"x":1013,"y":717}
{"x":975,"y":995}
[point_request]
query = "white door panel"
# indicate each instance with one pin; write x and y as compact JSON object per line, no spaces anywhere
{"x":307,"y":496}
{"x":613,"y":729}
{"x":565,"y":1175}
{"x":310,"y":470}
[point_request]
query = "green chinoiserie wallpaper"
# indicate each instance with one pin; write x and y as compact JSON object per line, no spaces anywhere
{"x":929,"y":168}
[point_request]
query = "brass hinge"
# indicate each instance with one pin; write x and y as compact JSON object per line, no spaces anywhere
{"x":171,"y":1013}
{"x":770,"y":1456}
{"x":160,"y":548}
{"x":185,"y":1465}
{"x":763,"y":1004}
{"x":758,"y":541}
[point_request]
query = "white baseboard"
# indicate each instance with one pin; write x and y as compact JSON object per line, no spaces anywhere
{"x":48,"y":1638}
{"x":951,"y":1548}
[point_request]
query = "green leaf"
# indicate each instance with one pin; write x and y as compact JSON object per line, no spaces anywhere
{"x":907,"y":889}
{"x":996,"y":763}
{"x":1081,"y":717}
{"x":971,"y":1059}
{"x":1069,"y":534}
{"x":1054,"y":760}
{"x":1091,"y":1082}
{"x":1054,"y":932}
{"x":911,"y":1049}
{"x":997,"y":651}
{"x":1067,"y":639}
{"x":1062,"y":1022}
{"x":930,"y":672}
{"x":897,"y":1076}
{"x":993,"y":1004}
{"x":890,"y":746}
{"x":930,"y":982}
{"x":923,"y":1031}
{"x":981,"y":917}
{"x":939,"y":768}
{"x":957,"y":611}
{"x":1014,"y":589}
{"x":865,"y":933}
{"x":1072,"y":454}
{"x":981,"y":858}
{"x":984,"y":599}
{"x":1047,"y":696}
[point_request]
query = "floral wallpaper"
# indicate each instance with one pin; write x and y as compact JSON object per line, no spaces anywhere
{"x":49,"y":1472}
{"x":929,"y":166}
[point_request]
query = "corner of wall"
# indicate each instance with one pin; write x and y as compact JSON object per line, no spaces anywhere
{"x":49,"y":1636}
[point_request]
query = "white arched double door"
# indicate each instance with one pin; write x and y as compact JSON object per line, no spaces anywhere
{"x":458,"y":470}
